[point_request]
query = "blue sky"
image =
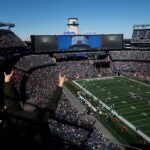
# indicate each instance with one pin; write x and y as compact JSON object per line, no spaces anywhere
{"x":50,"y":16}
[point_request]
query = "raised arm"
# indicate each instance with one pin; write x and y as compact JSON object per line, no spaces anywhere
{"x":8,"y":77}
{"x":54,"y":99}
{"x":11,"y":97}
{"x":11,"y":94}
{"x":61,"y":80}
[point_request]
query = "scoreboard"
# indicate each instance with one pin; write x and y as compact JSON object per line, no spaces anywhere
{"x":65,"y":43}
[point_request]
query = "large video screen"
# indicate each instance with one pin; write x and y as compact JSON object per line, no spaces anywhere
{"x":78,"y":42}
{"x":112,"y":41}
{"x":65,"y":43}
{"x":44,"y":43}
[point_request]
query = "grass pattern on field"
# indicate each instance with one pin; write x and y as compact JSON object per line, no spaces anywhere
{"x":131,"y":99}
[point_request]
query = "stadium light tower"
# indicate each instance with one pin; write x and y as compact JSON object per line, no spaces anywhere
{"x":9,"y":25}
{"x":73,"y":25}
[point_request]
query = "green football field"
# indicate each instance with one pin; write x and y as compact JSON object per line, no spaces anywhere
{"x":129,"y":98}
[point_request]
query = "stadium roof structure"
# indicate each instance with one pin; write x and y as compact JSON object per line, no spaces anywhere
{"x":141,"y":26}
{"x":10,"y":25}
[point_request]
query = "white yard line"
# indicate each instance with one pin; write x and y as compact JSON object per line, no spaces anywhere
{"x":143,"y":125}
{"x":139,"y":82}
{"x":127,"y":104}
{"x":140,"y":120}
{"x":135,"y":110}
{"x":132,"y":116}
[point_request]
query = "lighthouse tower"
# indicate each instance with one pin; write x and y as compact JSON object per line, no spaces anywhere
{"x":73,"y":25}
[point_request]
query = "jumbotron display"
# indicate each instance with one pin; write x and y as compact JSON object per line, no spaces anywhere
{"x":44,"y":43}
{"x":65,"y":43}
{"x":112,"y":41}
{"x":78,"y":42}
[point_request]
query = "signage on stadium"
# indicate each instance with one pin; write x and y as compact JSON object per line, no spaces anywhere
{"x":85,"y":33}
{"x":89,"y":33}
{"x":69,"y":32}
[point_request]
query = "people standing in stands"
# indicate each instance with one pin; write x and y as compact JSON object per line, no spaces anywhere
{"x":27,"y":128}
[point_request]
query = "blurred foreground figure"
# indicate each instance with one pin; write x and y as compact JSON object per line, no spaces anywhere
{"x":27,"y":125}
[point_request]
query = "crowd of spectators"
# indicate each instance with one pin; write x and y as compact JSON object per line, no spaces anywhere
{"x":69,"y":124}
{"x":141,"y":35}
{"x":31,"y":61}
{"x":132,"y":67}
{"x":130,"y":55}
{"x":9,"y":39}
{"x":141,"y":39}
{"x":72,"y":70}
{"x":97,"y":141}
{"x":17,"y":77}
{"x":131,"y":63}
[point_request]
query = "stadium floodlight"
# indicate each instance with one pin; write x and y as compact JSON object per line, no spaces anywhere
{"x":141,"y":26}
{"x":10,"y":25}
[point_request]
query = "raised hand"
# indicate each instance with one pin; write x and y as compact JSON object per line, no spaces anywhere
{"x":8,"y":76}
{"x":61,"y":80}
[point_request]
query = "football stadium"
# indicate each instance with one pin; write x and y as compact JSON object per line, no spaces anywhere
{"x":105,"y":101}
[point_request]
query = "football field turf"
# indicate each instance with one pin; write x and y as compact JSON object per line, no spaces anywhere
{"x":129,"y":98}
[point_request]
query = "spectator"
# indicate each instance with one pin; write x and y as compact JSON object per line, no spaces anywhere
{"x":27,"y":127}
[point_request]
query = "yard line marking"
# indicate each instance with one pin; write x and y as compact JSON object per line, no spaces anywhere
{"x":143,"y":125}
{"x":134,"y":111}
{"x":139,"y":82}
{"x":132,"y":107}
{"x":144,"y":114}
{"x":128,"y":104}
{"x":140,"y":120}
{"x":132,"y":116}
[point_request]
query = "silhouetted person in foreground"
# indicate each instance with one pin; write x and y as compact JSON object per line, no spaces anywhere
{"x":27,"y":128}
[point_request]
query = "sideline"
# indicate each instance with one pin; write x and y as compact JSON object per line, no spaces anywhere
{"x":75,"y":102}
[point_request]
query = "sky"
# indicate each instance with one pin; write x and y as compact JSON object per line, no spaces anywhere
{"x":49,"y":17}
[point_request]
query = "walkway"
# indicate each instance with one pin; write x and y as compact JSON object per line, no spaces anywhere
{"x":80,"y":108}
